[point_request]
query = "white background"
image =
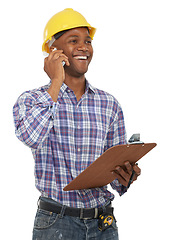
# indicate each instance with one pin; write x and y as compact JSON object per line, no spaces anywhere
{"x":133,"y":60}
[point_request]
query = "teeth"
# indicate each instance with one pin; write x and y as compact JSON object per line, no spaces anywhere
{"x":81,"y":57}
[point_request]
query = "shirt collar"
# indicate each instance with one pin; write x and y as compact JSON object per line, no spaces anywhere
{"x":88,"y":88}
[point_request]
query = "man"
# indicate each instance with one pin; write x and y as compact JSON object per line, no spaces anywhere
{"x":68,"y":124}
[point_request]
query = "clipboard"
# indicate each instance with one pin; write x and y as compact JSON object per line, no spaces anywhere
{"x":100,"y":172}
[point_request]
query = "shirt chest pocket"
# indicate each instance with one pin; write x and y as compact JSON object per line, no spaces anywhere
{"x":98,"y":131}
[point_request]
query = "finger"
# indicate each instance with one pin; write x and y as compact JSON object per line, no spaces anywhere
{"x":67,"y":62}
{"x":52,"y":53}
{"x":58,"y":55}
{"x":128,"y":167}
{"x":134,"y":178}
{"x":120,"y":179}
{"x":137,"y":169}
{"x":122,"y":173}
{"x":63,"y":58}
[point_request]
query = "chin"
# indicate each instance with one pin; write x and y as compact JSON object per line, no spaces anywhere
{"x":77,"y":72}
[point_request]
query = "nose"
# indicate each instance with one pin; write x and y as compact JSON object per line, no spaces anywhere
{"x":82,"y":47}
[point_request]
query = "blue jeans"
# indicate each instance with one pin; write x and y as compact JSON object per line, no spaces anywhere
{"x":52,"y":226}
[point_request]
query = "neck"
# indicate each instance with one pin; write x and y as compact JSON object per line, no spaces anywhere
{"x":76,"y":84}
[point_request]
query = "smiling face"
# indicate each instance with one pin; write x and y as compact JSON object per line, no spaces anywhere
{"x":76,"y":45}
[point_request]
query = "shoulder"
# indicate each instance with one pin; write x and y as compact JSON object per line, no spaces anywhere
{"x":107,"y":99}
{"x":34,"y":94}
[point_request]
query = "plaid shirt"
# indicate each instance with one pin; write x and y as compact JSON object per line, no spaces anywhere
{"x":66,"y":137}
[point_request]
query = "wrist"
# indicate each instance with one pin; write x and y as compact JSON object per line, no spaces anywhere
{"x":56,"y":82}
{"x":54,"y":89}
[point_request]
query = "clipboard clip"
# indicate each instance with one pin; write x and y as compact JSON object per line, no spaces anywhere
{"x":135,"y":139}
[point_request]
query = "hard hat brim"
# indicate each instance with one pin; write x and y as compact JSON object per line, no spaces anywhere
{"x":92,"y":31}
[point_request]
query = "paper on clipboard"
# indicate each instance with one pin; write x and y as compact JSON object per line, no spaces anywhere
{"x":100,"y":172}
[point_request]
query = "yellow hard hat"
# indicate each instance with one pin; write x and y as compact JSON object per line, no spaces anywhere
{"x":64,"y":20}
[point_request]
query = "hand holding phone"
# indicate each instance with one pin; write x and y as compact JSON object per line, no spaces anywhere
{"x":63,"y":62}
{"x":53,"y":66}
{"x":54,"y":63}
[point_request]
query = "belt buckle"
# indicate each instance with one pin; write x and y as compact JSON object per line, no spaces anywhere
{"x":82,"y":214}
{"x":86,"y":218}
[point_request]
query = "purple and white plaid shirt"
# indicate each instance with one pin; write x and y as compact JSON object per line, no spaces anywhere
{"x":66,"y":137}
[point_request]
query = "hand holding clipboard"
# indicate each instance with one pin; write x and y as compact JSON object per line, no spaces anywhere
{"x":102,"y":171}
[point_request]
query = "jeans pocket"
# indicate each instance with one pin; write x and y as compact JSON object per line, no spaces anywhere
{"x":44,"y":219}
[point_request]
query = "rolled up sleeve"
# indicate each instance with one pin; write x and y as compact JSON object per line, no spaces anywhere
{"x":33,"y":118}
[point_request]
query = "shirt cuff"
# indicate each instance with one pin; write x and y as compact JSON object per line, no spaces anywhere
{"x":118,"y":187}
{"x":53,"y":109}
{"x":45,"y":100}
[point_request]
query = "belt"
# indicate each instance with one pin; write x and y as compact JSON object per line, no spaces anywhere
{"x":82,"y":213}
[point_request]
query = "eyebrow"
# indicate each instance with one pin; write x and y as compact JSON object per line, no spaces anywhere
{"x":78,"y":36}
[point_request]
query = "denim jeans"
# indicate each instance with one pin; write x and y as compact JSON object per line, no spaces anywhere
{"x":52,"y":226}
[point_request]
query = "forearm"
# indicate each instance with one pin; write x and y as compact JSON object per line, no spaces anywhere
{"x":33,"y":130}
{"x":33,"y":119}
{"x":54,"y":89}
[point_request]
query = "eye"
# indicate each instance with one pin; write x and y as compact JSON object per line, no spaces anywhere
{"x":73,"y":41}
{"x":89,"y":42}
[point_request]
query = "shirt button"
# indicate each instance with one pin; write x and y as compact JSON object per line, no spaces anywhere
{"x":68,"y":91}
{"x":78,"y":149}
{"x":78,"y":126}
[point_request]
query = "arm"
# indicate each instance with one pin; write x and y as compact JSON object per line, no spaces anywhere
{"x":33,"y":114}
{"x":116,"y":136}
{"x":33,"y":118}
{"x":124,"y":174}
{"x":117,"y":133}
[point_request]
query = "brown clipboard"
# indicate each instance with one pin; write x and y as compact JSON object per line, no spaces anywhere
{"x":100,"y":172}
